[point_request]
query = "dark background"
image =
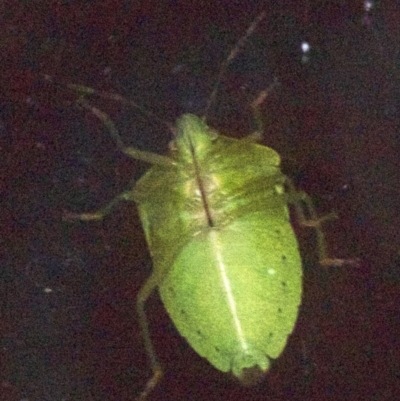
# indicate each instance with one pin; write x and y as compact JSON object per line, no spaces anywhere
{"x":68,"y":329}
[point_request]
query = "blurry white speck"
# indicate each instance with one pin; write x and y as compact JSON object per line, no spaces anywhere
{"x":47,"y":290}
{"x":305,"y":47}
{"x":368,"y":4}
{"x":271,"y":271}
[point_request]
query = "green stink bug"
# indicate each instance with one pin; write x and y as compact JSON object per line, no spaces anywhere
{"x":225,"y":257}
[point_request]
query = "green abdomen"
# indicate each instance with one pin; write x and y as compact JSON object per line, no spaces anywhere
{"x":234,"y":292}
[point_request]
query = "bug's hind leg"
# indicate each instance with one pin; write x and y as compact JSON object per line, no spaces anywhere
{"x":144,"y":293}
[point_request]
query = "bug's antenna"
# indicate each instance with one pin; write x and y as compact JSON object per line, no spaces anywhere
{"x":233,"y":53}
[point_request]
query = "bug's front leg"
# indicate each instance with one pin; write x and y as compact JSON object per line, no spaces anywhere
{"x":151,"y":158}
{"x":258,"y":134}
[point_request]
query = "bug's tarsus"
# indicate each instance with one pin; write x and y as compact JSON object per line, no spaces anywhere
{"x":331,"y":262}
{"x":319,"y":220}
{"x":151,"y":384}
{"x":232,"y":54}
{"x":95,"y":216}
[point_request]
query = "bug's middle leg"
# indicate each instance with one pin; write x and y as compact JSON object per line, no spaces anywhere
{"x":308,"y":217}
{"x":101,"y":213}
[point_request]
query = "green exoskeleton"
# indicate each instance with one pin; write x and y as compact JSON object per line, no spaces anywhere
{"x":226,"y":260}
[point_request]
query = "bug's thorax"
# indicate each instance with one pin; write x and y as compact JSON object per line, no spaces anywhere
{"x":207,"y":170}
{"x":194,"y":138}
{"x":193,"y":144}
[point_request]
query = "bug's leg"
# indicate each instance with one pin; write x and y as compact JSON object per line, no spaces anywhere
{"x":258,"y":134}
{"x":232,"y":55}
{"x":145,"y":291}
{"x":154,"y":280}
{"x":152,"y":158}
{"x":99,"y":214}
{"x":125,"y":196}
{"x":303,"y":204}
{"x":84,"y":91}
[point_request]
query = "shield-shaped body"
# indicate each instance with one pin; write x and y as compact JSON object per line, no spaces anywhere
{"x":225,"y":256}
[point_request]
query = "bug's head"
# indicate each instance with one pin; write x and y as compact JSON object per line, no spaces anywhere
{"x":193,"y":137}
